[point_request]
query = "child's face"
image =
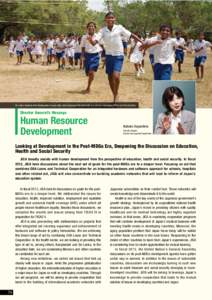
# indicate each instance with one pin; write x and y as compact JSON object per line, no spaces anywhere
{"x":176,"y":104}
{"x":91,"y":29}
{"x":201,"y":37}
{"x":110,"y":21}
{"x":165,"y":33}
{"x":61,"y":37}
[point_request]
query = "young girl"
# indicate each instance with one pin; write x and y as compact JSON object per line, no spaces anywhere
{"x":37,"y":49}
{"x":11,"y":46}
{"x":90,"y":53}
{"x":70,"y":50}
{"x":176,"y":120}
{"x":136,"y":56}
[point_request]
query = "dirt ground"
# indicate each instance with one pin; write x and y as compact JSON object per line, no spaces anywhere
{"x":34,"y":82}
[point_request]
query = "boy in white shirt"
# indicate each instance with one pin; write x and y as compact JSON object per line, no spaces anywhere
{"x":60,"y":46}
{"x":78,"y":51}
{"x":200,"y":48}
{"x":50,"y":47}
{"x":19,"y":48}
{"x":112,"y":36}
{"x":164,"y":52}
{"x":179,"y":52}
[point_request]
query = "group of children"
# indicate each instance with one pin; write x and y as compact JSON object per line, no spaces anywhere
{"x":110,"y":44}
{"x":47,"y":51}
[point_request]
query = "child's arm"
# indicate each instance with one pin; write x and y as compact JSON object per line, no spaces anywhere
{"x":149,"y":45}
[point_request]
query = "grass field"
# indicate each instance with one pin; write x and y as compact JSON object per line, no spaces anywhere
{"x":31,"y":82}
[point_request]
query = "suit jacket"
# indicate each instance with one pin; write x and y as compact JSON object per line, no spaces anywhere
{"x":188,"y":122}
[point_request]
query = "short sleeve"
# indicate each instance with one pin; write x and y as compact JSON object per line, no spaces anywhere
{"x":126,"y":33}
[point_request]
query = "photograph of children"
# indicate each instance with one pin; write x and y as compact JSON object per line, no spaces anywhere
{"x":174,"y":107}
{"x":110,"y":52}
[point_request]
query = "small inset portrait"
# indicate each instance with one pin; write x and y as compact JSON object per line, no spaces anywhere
{"x":174,"y":107}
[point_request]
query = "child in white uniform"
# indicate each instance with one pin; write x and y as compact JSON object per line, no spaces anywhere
{"x":136,"y":56}
{"x":11,"y":46}
{"x":19,"y":48}
{"x":37,"y":49}
{"x":60,"y":47}
{"x":200,"y":48}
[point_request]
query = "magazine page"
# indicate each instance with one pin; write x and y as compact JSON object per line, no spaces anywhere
{"x":105,"y":110}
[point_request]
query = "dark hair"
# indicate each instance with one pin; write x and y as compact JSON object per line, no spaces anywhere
{"x":168,"y":96}
{"x":91,"y":23}
{"x":110,"y":14}
{"x":163,"y":26}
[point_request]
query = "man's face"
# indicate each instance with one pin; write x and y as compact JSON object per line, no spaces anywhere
{"x":165,"y":33}
{"x":110,"y":21}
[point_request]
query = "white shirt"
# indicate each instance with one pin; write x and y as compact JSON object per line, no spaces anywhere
{"x":77,"y":47}
{"x":50,"y":44}
{"x":201,"y":44}
{"x":60,"y":46}
{"x":89,"y":48}
{"x":175,"y":120}
{"x":11,"y":45}
{"x":164,"y":53}
{"x":113,"y":39}
{"x":37,"y":46}
{"x":180,"y":42}
{"x":136,"y":46}
{"x":71,"y":43}
{"x":19,"y":45}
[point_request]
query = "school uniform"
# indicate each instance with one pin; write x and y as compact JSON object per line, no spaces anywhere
{"x":11,"y":46}
{"x":113,"y":45}
{"x":50,"y":46}
{"x":179,"y":52}
{"x":92,"y":54}
{"x":60,"y":47}
{"x":164,"y":57}
{"x":136,"y":56}
{"x":151,"y":56}
{"x":201,"y":56}
{"x":185,"y":118}
{"x":77,"y":50}
{"x":19,"y":47}
{"x":70,"y":48}
{"x":37,"y":48}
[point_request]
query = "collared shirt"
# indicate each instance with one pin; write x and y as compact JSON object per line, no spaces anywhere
{"x":201,"y":44}
{"x":180,"y":42}
{"x":77,"y":47}
{"x":89,"y":48}
{"x":113,"y":39}
{"x":175,"y":120}
{"x":19,"y":45}
{"x":50,"y":43}
{"x":164,"y":53}
{"x":60,"y":46}
{"x":37,"y":45}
